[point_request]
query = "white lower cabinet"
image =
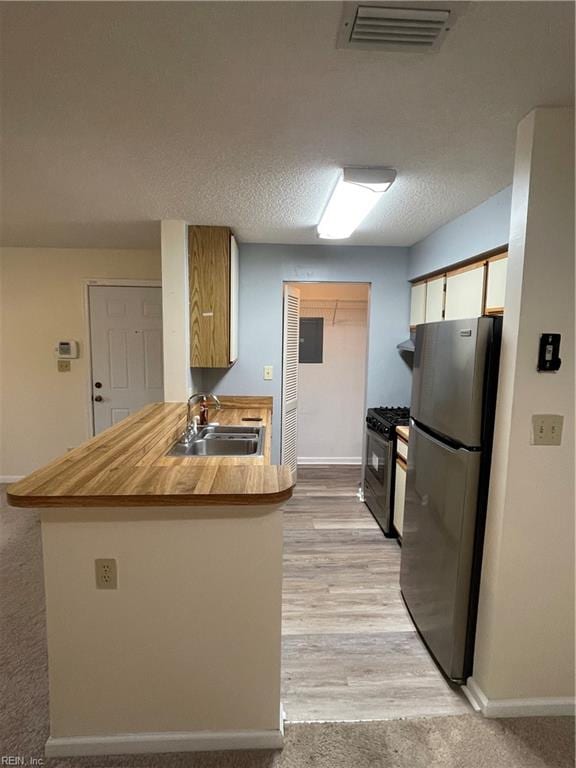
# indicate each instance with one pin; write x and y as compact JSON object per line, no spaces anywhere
{"x":399,"y":495}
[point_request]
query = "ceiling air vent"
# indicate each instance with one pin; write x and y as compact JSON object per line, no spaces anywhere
{"x":390,"y":28}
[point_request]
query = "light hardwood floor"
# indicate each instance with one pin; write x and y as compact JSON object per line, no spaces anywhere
{"x":350,"y":651}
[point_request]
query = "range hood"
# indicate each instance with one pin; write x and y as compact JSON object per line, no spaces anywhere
{"x":408,"y":344}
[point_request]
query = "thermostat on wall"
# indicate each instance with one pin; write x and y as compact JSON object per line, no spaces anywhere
{"x":67,"y":350}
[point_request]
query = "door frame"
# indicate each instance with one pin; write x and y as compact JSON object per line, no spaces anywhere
{"x":369,"y":285}
{"x":86,"y":284}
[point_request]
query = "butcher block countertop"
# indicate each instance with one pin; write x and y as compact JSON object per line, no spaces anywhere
{"x":403,"y":432}
{"x":126,"y":465}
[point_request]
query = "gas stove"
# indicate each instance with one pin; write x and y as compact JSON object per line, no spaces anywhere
{"x":385,"y":420}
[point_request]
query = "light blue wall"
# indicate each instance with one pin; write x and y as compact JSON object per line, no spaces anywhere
{"x":264,"y":268}
{"x":481,"y":229}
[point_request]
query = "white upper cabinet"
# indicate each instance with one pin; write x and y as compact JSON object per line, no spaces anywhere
{"x":434,"y":299}
{"x":418,"y":304}
{"x":496,"y":285}
{"x":470,"y":291}
{"x":465,"y":293}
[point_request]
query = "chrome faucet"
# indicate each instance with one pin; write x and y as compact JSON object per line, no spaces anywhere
{"x":193,"y":422}
{"x":201,"y":397}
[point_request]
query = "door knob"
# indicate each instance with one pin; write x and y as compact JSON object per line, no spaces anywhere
{"x":98,"y":399}
{"x":98,"y":384}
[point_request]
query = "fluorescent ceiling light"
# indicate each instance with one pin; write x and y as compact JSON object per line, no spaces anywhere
{"x":355,"y":194}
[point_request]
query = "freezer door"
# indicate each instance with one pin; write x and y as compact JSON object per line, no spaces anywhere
{"x":448,"y":380}
{"x":438,"y":545}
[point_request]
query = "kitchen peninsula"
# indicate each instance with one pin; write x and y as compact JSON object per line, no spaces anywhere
{"x":181,"y":648}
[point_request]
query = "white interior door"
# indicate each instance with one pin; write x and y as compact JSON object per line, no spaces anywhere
{"x":126,"y":341}
{"x":290,"y":353}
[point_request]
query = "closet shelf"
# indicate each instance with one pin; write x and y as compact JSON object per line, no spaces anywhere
{"x":332,"y":306}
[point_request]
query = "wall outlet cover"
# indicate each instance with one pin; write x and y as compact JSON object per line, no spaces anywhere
{"x":268,"y":372}
{"x":106,"y":573}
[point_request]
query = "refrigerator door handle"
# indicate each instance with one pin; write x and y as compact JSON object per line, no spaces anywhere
{"x":444,"y":444}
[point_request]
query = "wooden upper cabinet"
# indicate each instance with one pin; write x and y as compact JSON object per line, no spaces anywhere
{"x":465,"y":292}
{"x":496,"y":284}
{"x":418,"y":304}
{"x":213,"y":287}
{"x":435,"y":299}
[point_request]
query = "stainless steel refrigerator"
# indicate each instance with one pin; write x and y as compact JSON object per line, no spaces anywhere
{"x":453,"y":399}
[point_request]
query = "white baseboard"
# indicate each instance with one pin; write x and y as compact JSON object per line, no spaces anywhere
{"x":472,"y":695}
{"x":535,"y":707}
{"x":355,"y":460}
{"x":11,"y":478}
{"x":149,"y":743}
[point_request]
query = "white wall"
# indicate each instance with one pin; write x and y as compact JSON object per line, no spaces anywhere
{"x":43,"y":412}
{"x":175,"y":311}
{"x":525,"y":636}
{"x":1,"y":366}
{"x":332,"y":394}
{"x":189,"y":644}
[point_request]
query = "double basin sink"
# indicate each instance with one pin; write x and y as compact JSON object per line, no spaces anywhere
{"x":215,"y":440}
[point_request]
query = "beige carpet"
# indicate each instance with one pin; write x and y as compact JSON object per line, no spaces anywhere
{"x":467,"y":741}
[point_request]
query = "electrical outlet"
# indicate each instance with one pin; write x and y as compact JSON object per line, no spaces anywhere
{"x":547,"y":429}
{"x":268,"y":372}
{"x":106,"y":573}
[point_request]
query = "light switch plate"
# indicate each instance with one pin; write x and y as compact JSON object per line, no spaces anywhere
{"x":63,"y":366}
{"x":268,"y":372}
{"x":547,"y":429}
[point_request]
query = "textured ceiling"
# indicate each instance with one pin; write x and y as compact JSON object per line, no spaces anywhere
{"x":116,"y":115}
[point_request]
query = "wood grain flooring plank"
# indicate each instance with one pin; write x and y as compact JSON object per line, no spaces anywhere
{"x":349,"y":649}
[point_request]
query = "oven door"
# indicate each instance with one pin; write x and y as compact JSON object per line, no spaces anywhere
{"x":378,"y":450}
{"x":377,"y":485}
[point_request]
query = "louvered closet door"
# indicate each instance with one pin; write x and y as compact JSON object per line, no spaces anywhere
{"x":291,"y":342}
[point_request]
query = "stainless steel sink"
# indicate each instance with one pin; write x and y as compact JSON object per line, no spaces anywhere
{"x":222,"y":441}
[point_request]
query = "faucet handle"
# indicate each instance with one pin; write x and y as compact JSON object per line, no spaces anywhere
{"x":203,"y":418}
